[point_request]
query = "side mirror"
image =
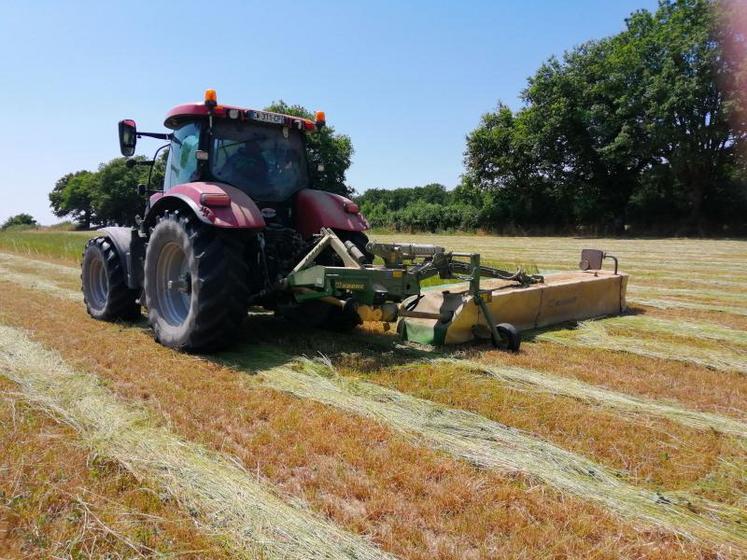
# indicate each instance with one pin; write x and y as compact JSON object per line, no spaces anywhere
{"x":127,"y":137}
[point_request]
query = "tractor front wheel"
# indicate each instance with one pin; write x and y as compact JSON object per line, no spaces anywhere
{"x":104,"y":285}
{"x":196,"y":283}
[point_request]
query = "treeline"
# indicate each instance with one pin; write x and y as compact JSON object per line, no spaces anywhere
{"x":429,"y":208}
{"x":642,"y":132}
{"x":106,"y":196}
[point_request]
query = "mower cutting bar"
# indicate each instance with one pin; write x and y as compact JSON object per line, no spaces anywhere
{"x":457,"y":312}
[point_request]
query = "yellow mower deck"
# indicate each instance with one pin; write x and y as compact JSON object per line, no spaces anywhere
{"x":563,"y":296}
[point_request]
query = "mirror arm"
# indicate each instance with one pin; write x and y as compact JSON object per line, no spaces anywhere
{"x":157,"y":135}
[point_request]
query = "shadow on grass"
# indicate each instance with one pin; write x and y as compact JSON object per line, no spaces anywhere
{"x":267,"y":341}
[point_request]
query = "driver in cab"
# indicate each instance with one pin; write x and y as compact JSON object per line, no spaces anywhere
{"x":247,"y":162}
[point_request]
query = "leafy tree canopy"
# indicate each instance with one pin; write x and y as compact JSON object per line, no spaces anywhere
{"x":19,"y":220}
{"x":622,"y":124}
{"x":326,"y":147}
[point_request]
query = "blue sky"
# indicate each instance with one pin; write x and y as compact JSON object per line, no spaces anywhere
{"x":406,"y":80}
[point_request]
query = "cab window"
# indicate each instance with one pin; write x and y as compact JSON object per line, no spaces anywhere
{"x":181,"y":166}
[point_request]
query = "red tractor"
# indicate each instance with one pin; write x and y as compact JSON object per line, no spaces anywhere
{"x":236,"y":213}
{"x":238,"y":223}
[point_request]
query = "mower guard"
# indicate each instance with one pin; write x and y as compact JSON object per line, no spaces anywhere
{"x":562,"y":297}
{"x":483,"y":299}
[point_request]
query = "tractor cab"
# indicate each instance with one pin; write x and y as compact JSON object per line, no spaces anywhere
{"x":221,"y":156}
{"x":262,"y":154}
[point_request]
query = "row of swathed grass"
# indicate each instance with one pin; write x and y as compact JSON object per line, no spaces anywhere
{"x":76,"y":271}
{"x":540,"y":381}
{"x":493,"y":445}
{"x":60,"y":500}
{"x":415,"y":502}
{"x":587,"y":334}
{"x":228,"y":499}
{"x":595,"y":334}
{"x":524,"y":379}
{"x":549,"y":384}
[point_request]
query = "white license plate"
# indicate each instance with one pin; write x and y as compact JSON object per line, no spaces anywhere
{"x":266,"y":117}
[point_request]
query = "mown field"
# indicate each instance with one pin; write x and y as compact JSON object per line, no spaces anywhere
{"x":622,"y":437}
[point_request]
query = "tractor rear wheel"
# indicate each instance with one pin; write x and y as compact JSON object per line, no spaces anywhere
{"x":104,"y":285}
{"x":196,"y":283}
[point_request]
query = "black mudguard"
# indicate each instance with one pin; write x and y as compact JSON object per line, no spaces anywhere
{"x":131,"y":250}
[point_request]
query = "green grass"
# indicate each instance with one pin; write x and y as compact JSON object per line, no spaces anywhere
{"x":63,"y":245}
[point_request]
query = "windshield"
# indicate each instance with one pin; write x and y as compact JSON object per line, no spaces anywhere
{"x":259,"y":159}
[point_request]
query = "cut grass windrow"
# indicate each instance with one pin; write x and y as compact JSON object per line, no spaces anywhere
{"x":593,"y":334}
{"x":492,"y":445}
{"x":229,"y":499}
{"x":634,"y":323}
{"x":697,"y":329}
{"x":60,"y":500}
{"x":687,"y":293}
{"x":36,"y":283}
{"x":479,"y":445}
{"x":679,"y":304}
{"x":532,"y":380}
{"x":40,"y":265}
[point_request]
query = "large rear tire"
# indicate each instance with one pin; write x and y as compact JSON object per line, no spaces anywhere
{"x":104,"y":285}
{"x":196,"y":283}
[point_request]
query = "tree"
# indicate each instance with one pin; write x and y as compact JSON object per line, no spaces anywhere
{"x":621,"y":124}
{"x":72,"y":195}
{"x":116,"y":200}
{"x":333,"y":151}
{"x":106,"y":196}
{"x":20,"y":220}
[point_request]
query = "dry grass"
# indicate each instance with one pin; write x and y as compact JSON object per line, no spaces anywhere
{"x":642,"y":376}
{"x":659,"y":454}
{"x":677,"y":329}
{"x":227,"y":498}
{"x":653,"y":451}
{"x":57,"y":500}
{"x":735,"y":322}
{"x":595,"y":334}
{"x":495,"y":445}
{"x":648,"y":454}
{"x":687,"y":384}
{"x":37,"y":282}
{"x":413,"y":502}
{"x":527,"y":380}
{"x":67,"y":276}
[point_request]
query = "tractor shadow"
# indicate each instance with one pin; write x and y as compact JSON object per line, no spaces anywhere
{"x":267,"y":341}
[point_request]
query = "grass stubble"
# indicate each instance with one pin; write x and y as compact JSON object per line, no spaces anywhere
{"x":228,"y":498}
{"x":727,"y":335}
{"x":493,"y":445}
{"x":413,"y":502}
{"x":61,"y":500}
